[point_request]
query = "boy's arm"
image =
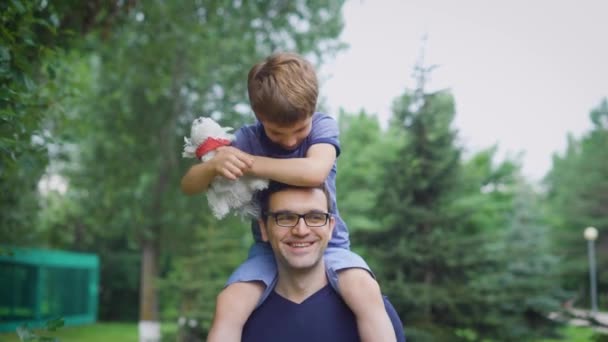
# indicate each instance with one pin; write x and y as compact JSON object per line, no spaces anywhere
{"x":228,"y":162}
{"x":309,"y":171}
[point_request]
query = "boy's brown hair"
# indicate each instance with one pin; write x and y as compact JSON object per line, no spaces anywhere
{"x":283,"y":89}
{"x":263,"y":196}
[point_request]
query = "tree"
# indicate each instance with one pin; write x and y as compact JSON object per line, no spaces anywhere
{"x":442,"y":251}
{"x":34,"y":39}
{"x":414,"y":208}
{"x":577,"y":194}
{"x":360,"y":163}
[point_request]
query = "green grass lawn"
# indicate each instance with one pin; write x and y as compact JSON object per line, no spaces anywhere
{"x":573,"y":334}
{"x":127,"y":332}
{"x":99,"y":332}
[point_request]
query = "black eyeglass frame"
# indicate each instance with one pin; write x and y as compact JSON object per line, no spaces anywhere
{"x":300,"y":216}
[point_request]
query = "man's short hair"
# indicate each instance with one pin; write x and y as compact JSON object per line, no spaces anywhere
{"x":283,"y":89}
{"x":274,"y":187}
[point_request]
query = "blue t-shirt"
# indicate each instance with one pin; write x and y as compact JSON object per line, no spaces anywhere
{"x":253,"y":140}
{"x":322,"y":317}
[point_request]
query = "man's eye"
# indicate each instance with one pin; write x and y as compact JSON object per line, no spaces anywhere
{"x":286,"y":217}
{"x":315,"y":217}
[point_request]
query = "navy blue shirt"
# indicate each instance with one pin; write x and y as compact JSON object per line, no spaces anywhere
{"x":321,"y":317}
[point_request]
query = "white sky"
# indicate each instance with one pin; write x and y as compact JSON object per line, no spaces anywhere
{"x":523,"y":73}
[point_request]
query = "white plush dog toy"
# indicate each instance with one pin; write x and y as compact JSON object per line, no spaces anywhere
{"x":223,"y":194}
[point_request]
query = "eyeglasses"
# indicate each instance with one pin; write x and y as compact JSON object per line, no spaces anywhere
{"x":290,"y":220}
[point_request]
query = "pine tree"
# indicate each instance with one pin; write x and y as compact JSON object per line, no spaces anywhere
{"x":418,"y":260}
{"x":448,"y":231}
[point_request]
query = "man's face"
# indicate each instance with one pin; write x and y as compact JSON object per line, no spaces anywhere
{"x":300,"y":247}
{"x":288,"y":137}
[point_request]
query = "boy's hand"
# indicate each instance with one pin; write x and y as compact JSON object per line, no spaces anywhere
{"x":230,"y":162}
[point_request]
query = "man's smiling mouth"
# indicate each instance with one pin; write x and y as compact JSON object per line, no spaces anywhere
{"x":299,"y":244}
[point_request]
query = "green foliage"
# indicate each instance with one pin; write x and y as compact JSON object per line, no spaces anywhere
{"x":359,"y":179}
{"x":33,"y":40}
{"x":450,"y":251}
{"x":577,"y":188}
{"x":199,"y":273}
{"x":26,"y":53}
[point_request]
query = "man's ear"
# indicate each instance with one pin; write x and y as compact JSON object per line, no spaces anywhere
{"x":263,"y":231}
{"x":332,"y":224}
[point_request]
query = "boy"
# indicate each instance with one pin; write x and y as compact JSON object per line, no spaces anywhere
{"x":293,"y":145}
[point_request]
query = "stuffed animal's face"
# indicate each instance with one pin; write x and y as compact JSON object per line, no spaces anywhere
{"x":203,"y":128}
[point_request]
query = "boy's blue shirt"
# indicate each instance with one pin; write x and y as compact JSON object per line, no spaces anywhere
{"x":253,"y":140}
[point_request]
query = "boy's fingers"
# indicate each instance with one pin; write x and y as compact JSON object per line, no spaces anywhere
{"x":245,"y":158}
{"x":249,"y":160}
{"x":234,"y":170}
{"x":238,"y":154}
{"x":239,"y":163}
{"x":227,"y":174}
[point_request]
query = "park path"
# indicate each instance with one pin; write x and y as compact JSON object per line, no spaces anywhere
{"x":582,"y":319}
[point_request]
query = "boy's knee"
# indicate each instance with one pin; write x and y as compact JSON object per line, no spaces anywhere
{"x":240,"y":293}
{"x":357,"y":280}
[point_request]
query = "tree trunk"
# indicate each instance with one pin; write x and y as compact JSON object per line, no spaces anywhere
{"x":149,"y":325}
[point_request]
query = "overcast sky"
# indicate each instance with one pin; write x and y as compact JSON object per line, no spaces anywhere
{"x":523,"y":73}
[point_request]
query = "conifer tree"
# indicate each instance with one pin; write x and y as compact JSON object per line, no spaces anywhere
{"x":448,"y":229}
{"x":418,"y":250}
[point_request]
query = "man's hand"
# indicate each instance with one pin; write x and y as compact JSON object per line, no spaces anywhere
{"x":230,"y":162}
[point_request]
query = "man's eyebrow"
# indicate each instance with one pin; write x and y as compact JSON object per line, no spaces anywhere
{"x":319,"y":211}
{"x":281,"y":211}
{"x":285,"y":211}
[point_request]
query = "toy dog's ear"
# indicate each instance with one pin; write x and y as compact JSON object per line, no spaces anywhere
{"x":189,"y":149}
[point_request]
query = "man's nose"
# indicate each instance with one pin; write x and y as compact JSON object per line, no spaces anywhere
{"x":300,"y":228}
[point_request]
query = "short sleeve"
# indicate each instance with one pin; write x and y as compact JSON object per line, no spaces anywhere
{"x":325,"y":131}
{"x":244,"y":138}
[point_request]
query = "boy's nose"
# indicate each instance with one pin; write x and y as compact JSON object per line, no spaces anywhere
{"x":290,"y":142}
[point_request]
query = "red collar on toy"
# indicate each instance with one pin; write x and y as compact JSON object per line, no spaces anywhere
{"x":209,"y":145}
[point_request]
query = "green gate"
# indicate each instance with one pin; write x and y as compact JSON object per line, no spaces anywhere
{"x":37,"y":284}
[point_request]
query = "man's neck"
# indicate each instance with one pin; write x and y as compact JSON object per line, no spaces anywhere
{"x":297,"y":285}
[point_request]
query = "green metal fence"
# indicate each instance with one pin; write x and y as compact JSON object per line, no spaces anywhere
{"x":37,"y":284}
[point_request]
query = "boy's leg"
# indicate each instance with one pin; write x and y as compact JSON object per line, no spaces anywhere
{"x":362,"y":294}
{"x":247,"y":285}
{"x":234,"y":306}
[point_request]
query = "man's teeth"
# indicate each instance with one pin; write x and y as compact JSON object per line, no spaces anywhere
{"x":300,"y":244}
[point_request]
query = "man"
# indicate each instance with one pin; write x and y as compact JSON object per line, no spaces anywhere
{"x":297,"y":223}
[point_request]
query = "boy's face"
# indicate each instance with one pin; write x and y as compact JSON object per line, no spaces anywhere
{"x":288,"y":137}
